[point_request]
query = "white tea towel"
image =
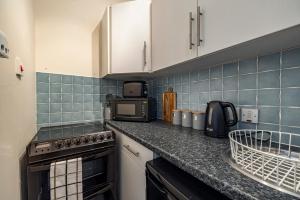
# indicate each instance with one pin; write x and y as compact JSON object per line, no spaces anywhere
{"x":74,"y":178}
{"x":59,"y":181}
{"x":74,"y":189}
{"x":66,"y":180}
{"x":74,"y":165}
{"x":58,"y":193}
{"x":76,"y":197}
{"x":60,"y":168}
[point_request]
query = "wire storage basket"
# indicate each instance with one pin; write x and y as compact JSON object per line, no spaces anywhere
{"x":272,"y":157}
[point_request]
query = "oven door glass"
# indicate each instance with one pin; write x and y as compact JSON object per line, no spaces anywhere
{"x":95,"y":176}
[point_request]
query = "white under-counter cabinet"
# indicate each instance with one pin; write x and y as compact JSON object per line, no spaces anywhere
{"x":126,"y":38}
{"x":182,"y":30}
{"x":132,"y":158}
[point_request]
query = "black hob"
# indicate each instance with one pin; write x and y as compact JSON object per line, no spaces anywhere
{"x":60,"y":141}
{"x":67,"y":131}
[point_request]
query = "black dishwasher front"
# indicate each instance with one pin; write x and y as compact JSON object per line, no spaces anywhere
{"x":167,"y":182}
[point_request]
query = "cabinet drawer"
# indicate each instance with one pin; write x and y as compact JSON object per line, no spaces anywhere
{"x":136,"y":150}
{"x":133,"y":149}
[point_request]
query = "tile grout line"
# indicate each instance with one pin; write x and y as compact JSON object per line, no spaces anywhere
{"x":189,"y":81}
{"x":238,"y":91}
{"x":93,"y":97}
{"x":181,"y":104}
{"x":72,"y":77}
{"x":222,"y":82}
{"x":209,"y":76}
{"x":61,"y":102}
{"x":256,"y":98}
{"x":280,"y":91}
{"x":83,"y":100}
{"x":49,"y":99}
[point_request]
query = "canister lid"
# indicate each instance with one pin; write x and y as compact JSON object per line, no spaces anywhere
{"x":185,"y":110}
{"x":198,"y":112}
{"x":176,"y":110}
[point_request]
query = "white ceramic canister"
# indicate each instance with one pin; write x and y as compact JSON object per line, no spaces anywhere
{"x":186,"y":118}
{"x":107,"y":113}
{"x":199,"y":120}
{"x":176,"y":117}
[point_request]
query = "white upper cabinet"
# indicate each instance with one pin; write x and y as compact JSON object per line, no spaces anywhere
{"x":173,"y":32}
{"x":230,"y":22}
{"x":126,"y":38}
{"x":214,"y":25}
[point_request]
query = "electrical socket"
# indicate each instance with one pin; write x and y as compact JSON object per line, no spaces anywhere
{"x":249,"y":115}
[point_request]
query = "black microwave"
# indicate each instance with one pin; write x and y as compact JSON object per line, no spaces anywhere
{"x":134,"y":109}
{"x":135,"y":89}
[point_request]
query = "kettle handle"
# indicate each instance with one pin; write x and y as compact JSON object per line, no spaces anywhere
{"x":231,"y":106}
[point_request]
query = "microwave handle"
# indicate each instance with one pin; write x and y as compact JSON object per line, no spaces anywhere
{"x":131,"y":117}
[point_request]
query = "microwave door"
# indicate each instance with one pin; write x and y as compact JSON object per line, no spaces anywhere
{"x":126,"y":109}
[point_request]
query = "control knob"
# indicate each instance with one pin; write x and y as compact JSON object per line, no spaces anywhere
{"x":59,"y":144}
{"x":94,"y":138}
{"x":108,"y":136}
{"x":68,"y":142}
{"x":101,"y":137}
{"x":85,"y":139}
{"x":77,"y":141}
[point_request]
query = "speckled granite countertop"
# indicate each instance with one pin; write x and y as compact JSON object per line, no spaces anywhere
{"x":199,"y":155}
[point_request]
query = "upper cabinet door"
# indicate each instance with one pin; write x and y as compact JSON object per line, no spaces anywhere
{"x":227,"y":23}
{"x":173,"y":32}
{"x":130,"y":28}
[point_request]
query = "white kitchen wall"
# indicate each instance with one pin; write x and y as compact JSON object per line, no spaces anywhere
{"x":65,"y":31}
{"x":17,"y":97}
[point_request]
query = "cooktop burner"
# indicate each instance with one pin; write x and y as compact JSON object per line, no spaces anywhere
{"x":58,"y":141}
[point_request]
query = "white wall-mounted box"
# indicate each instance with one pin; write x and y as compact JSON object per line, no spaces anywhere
{"x":4,"y":50}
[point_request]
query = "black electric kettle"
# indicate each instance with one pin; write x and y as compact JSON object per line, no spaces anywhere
{"x":219,"y":117}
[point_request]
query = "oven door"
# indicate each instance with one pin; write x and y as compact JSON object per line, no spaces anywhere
{"x":97,"y":176}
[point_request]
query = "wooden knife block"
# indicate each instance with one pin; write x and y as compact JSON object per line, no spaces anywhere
{"x":169,"y":104}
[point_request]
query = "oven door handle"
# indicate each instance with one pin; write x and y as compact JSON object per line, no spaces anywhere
{"x":46,"y":167}
{"x":39,"y":168}
{"x":98,"y":155}
{"x":162,"y":191}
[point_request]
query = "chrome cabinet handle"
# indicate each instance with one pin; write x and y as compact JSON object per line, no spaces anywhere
{"x":137,"y":154}
{"x":145,"y":53}
{"x":199,"y":40}
{"x":191,"y":30}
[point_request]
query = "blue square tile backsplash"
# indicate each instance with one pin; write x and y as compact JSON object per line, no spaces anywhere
{"x":65,"y":99}
{"x":270,"y":83}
